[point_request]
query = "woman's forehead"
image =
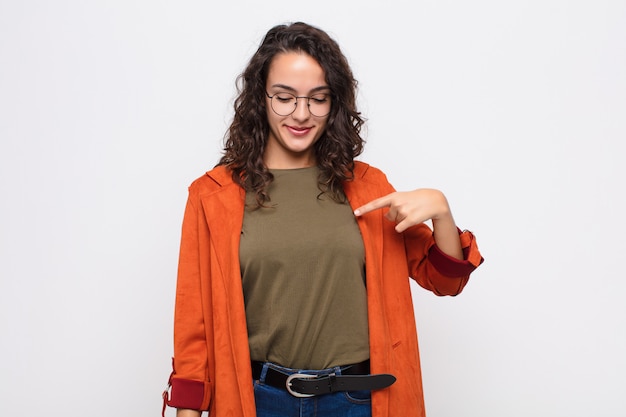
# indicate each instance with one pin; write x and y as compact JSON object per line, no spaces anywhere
{"x":296,"y":72}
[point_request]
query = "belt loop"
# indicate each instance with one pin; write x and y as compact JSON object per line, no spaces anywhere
{"x":331,"y":381}
{"x":264,"y":372}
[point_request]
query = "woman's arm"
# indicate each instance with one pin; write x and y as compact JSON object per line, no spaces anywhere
{"x":190,"y":385}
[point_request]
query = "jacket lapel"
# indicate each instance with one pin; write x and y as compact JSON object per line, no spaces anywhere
{"x":223,"y":210}
{"x":358,"y":194}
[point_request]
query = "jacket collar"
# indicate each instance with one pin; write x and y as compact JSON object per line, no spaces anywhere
{"x":223,"y":208}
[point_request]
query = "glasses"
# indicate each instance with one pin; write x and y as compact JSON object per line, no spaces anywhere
{"x":284,"y":104}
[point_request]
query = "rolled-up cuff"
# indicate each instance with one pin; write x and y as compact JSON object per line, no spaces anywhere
{"x":187,"y":393}
{"x":452,"y":267}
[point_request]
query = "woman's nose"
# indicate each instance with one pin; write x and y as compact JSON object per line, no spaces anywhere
{"x":302,"y":109}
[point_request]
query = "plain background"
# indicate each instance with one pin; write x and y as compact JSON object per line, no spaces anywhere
{"x":516,"y":110}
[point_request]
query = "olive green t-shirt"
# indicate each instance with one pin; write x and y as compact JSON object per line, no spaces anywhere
{"x":302,"y":264}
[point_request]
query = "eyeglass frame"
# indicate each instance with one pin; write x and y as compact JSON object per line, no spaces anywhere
{"x":295,"y":107}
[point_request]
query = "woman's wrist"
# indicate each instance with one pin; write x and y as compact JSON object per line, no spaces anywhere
{"x":184,"y":412}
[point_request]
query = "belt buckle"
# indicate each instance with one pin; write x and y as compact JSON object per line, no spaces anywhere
{"x":295,"y":393}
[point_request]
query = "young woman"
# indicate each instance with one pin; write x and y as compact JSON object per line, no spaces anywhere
{"x":293,"y":296}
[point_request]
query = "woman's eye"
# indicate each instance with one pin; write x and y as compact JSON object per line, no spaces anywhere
{"x":284,"y":98}
{"x":319,"y":99}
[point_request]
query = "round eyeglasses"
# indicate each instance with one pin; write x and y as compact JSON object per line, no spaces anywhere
{"x":283,"y":104}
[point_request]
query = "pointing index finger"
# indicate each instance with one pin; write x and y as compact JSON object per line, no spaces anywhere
{"x":379,"y":203}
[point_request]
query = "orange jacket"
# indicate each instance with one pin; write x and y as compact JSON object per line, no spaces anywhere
{"x":211,"y":355}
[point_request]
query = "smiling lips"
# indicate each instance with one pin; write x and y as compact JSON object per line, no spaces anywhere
{"x":299,"y":131}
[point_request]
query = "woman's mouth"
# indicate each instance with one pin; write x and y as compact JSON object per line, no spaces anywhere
{"x":299,"y":131}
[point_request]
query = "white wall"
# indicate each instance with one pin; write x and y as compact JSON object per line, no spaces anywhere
{"x":516,"y":110}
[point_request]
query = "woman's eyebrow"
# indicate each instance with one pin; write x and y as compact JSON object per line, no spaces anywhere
{"x":288,"y":88}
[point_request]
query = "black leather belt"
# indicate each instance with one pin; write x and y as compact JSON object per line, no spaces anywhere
{"x":353,"y":378}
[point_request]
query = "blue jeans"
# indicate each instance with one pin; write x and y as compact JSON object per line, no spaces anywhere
{"x":277,"y":402}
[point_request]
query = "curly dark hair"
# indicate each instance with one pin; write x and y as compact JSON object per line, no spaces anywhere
{"x":247,"y":135}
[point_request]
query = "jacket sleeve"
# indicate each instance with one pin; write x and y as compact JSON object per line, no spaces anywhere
{"x":428,"y":265}
{"x":433,"y":269}
{"x":189,"y":383}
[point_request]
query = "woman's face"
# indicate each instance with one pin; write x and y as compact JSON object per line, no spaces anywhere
{"x":291,"y":138}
